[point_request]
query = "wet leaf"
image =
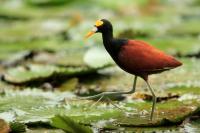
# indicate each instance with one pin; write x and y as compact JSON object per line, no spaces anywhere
{"x":46,"y":130}
{"x":64,"y":58}
{"x":97,"y":57}
{"x":32,"y":73}
{"x":18,"y":58}
{"x":187,"y":28}
{"x":17,"y":127}
{"x":47,"y":2}
{"x":64,"y":54}
{"x":23,"y":31}
{"x":185,"y":90}
{"x":35,"y":106}
{"x":178,"y":45}
{"x":69,"y":85}
{"x":69,"y":125}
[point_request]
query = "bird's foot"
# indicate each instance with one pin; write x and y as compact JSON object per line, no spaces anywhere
{"x":97,"y":101}
{"x":111,"y":102}
{"x":101,"y":96}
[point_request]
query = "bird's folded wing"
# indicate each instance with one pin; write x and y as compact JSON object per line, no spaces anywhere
{"x":140,"y":56}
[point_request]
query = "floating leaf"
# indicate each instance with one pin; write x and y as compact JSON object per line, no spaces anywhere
{"x":32,"y":73}
{"x":178,"y":45}
{"x":35,"y":106}
{"x":189,"y":28}
{"x":69,"y":85}
{"x":17,"y":127}
{"x":69,"y":125}
{"x":23,"y":31}
{"x":97,"y":57}
{"x":44,"y":130}
{"x":47,"y":2}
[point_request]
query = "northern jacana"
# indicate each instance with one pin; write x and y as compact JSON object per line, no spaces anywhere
{"x":133,"y":56}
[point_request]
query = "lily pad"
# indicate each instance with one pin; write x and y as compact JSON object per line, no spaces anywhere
{"x":69,"y":125}
{"x":61,"y":57}
{"x":97,"y":57}
{"x":33,"y":73}
{"x":178,"y":45}
{"x":46,"y":2}
{"x":17,"y":127}
{"x":185,"y":90}
{"x":23,"y":10}
{"x":23,"y":31}
{"x":33,"y":106}
{"x":46,"y":130}
{"x":8,"y":49}
{"x":69,"y":85}
{"x":189,"y":28}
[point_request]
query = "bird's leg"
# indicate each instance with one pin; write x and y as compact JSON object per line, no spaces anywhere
{"x":154,"y":100}
{"x":106,"y":94}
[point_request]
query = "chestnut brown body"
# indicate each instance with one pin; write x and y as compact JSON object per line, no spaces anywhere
{"x":141,"y":59}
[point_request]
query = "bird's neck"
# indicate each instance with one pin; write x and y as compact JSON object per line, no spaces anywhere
{"x":111,"y":44}
{"x":107,"y":40}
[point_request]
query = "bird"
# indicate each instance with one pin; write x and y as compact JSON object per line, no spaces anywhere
{"x":135,"y":57}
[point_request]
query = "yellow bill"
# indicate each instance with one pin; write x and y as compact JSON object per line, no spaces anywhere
{"x":89,"y":34}
{"x":94,"y":30}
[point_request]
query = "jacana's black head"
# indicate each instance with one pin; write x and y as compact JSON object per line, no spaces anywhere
{"x":111,"y":44}
{"x":103,"y":26}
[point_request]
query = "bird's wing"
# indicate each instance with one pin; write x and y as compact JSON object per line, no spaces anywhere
{"x":139,"y":56}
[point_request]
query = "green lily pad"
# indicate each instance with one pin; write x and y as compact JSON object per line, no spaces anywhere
{"x":178,"y":45}
{"x":46,"y":130}
{"x":32,"y":73}
{"x":22,"y":10}
{"x":69,"y":85}
{"x":23,"y":31}
{"x":34,"y":106}
{"x":17,"y":127}
{"x":9,"y":49}
{"x":190,"y":28}
{"x":97,"y":57}
{"x":185,"y":90}
{"x":46,"y":2}
{"x":69,"y":125}
{"x":61,"y":57}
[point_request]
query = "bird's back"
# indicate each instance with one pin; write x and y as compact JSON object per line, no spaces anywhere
{"x":138,"y":57}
